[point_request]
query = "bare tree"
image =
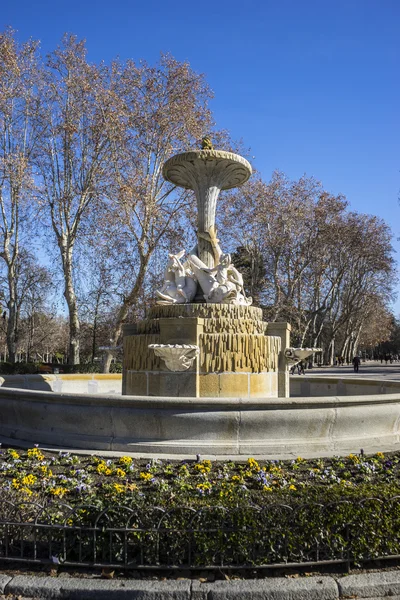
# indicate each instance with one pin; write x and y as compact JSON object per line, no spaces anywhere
{"x":323,"y":265}
{"x":73,"y":156}
{"x":163,"y":110}
{"x":19,"y":101}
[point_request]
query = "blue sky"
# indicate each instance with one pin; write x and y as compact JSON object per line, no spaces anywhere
{"x":311,"y":86}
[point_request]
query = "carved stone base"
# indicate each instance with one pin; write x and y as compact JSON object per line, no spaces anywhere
{"x":236,"y":357}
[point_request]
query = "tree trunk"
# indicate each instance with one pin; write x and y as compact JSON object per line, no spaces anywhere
{"x":330,"y":353}
{"x":123,"y":311}
{"x":12,"y":315}
{"x":94,"y":338}
{"x":107,"y":361}
{"x":11,"y":332}
{"x":70,"y":297}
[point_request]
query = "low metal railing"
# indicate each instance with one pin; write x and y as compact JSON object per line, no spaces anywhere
{"x":276,"y":535}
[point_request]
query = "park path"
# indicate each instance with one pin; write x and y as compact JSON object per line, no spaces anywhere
{"x":369,"y":370}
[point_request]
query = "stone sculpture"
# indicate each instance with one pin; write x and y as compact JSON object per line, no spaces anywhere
{"x":177,"y":357}
{"x":207,"y":172}
{"x":179,"y":282}
{"x":206,"y":143}
{"x":296,"y":355}
{"x":221,"y":284}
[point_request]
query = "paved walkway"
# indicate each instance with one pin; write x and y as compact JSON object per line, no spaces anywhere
{"x":369,"y":370}
{"x":367,"y":585}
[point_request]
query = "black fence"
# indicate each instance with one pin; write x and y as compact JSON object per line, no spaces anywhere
{"x":212,"y":537}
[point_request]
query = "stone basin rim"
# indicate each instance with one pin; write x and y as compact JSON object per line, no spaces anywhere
{"x":207,"y":155}
{"x":199,"y":404}
{"x":240,"y":427}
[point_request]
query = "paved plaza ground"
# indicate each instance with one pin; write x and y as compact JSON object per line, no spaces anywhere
{"x":369,"y":369}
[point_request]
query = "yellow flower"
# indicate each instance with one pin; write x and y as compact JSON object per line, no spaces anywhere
{"x":28,"y":480}
{"x":120,"y":473}
{"x":203,"y":487}
{"x":380,"y":455}
{"x":253,"y":464}
{"x":132,"y":487}
{"x":292,"y":487}
{"x":16,"y":484}
{"x":45,"y":471}
{"x":35,"y":453}
{"x":354,"y":458}
{"x":117,"y":487}
{"x":299,"y":459}
{"x":14,"y":454}
{"x":58,"y":491}
{"x":346,"y":483}
{"x":103,"y":469}
{"x":248,"y":474}
{"x":237,"y":479}
{"x":203,"y":466}
{"x":266,"y":488}
{"x":146,"y":476}
{"x":126,"y":461}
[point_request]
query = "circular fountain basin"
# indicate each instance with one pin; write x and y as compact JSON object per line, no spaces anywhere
{"x":215,"y":427}
{"x":217,"y":167}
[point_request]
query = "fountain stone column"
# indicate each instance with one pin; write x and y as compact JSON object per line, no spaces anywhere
{"x":207,"y":172}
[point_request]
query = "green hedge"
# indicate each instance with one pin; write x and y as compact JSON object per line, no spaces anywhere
{"x":22,"y":368}
{"x":19,"y":368}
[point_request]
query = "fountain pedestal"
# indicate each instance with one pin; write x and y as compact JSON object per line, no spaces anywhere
{"x":235,"y":359}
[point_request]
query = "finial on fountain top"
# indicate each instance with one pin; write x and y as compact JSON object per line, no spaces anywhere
{"x":206,"y":143}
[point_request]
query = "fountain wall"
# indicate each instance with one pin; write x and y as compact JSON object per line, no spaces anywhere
{"x":214,"y":427}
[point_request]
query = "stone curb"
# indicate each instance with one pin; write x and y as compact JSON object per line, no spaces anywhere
{"x":370,"y":585}
{"x":4,"y":580}
{"x":280,"y":588}
{"x":58,"y":588}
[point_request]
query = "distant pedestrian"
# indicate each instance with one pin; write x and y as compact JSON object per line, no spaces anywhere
{"x":300,"y":368}
{"x":356,"y":363}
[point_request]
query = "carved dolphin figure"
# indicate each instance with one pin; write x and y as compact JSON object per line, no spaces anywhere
{"x":180,"y":285}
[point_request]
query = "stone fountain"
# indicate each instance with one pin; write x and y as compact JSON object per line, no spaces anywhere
{"x":204,"y":339}
{"x":203,"y":373}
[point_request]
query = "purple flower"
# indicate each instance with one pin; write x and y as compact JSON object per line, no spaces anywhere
{"x":81,"y":487}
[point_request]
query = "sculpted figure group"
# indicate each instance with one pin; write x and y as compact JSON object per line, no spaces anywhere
{"x":221,"y":284}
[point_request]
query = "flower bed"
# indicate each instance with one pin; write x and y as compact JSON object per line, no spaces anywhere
{"x":43,"y":476}
{"x":200,"y":513}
